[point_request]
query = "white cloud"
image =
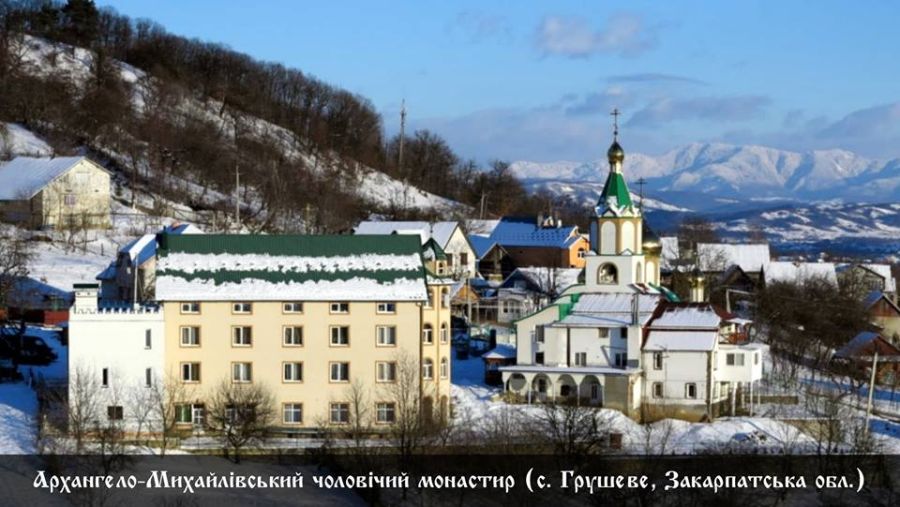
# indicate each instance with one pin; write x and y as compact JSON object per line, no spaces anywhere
{"x":624,"y":34}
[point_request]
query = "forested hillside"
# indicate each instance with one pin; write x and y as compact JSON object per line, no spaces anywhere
{"x":158,"y":108}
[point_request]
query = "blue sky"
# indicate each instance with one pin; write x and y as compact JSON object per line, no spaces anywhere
{"x":529,"y":80}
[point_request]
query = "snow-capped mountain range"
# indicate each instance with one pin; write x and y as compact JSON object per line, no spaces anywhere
{"x":729,"y":171}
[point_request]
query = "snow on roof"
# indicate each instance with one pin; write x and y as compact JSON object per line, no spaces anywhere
{"x":440,"y":231}
{"x":478,"y":227}
{"x":690,"y":317}
{"x":514,"y":231}
{"x":782,"y":271}
{"x":615,"y":302}
{"x":23,"y":177}
{"x":501,"y":351}
{"x":681,"y":340}
{"x":547,"y":279}
{"x":669,"y":254}
{"x":719,"y":256}
{"x":289,"y":267}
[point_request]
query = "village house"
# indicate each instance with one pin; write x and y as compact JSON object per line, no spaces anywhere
{"x":130,"y":278}
{"x":859,"y":353}
{"x":63,"y":192}
{"x":866,"y":278}
{"x":884,"y":314}
{"x":620,"y":340}
{"x":544,"y":242}
{"x":449,"y":236}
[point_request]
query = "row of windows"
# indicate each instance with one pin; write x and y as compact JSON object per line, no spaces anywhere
{"x":291,"y":413}
{"x":385,"y":371}
{"x":620,"y":359}
{"x":731,"y":359}
{"x":690,"y":390}
{"x":289,"y":307}
{"x":292,"y":336}
{"x":105,"y":377}
{"x":602,"y":334}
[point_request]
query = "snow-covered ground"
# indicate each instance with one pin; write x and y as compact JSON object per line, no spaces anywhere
{"x":18,"y":401}
{"x":474,"y":405}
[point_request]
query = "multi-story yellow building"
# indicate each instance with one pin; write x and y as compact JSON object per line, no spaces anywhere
{"x":307,"y":316}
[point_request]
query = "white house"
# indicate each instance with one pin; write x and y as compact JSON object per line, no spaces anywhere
{"x":116,"y":352}
{"x":449,"y":236}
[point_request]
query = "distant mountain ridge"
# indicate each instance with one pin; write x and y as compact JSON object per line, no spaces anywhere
{"x":733,"y":171}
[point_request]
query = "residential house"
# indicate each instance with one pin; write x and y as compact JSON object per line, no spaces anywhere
{"x":527,"y":289}
{"x":493,"y":261}
{"x":860,"y":353}
{"x":63,"y":192}
{"x":798,"y":272}
{"x":543,"y":242}
{"x":868,"y":277}
{"x":449,"y":236}
{"x":131,"y":277}
{"x":884,"y":314}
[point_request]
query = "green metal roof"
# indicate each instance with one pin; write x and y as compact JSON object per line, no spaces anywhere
{"x":616,"y":188}
{"x":432,"y":245}
{"x":288,"y":244}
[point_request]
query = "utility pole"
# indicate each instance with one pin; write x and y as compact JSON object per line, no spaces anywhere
{"x":871,"y":389}
{"x":237,"y":196}
{"x":400,"y":154}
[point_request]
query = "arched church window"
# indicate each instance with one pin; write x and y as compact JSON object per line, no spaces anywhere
{"x":608,"y":274}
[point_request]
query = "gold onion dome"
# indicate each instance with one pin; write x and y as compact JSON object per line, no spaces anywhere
{"x":616,"y":153}
{"x":650,"y":243}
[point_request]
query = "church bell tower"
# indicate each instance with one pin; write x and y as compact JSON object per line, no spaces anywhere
{"x":617,"y":260}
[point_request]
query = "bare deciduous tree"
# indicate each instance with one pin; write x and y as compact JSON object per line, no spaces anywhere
{"x":241,"y":414}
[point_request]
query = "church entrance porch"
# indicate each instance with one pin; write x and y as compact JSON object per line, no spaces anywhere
{"x":586,"y":386}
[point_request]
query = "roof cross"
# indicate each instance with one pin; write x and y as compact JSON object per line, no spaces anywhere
{"x":615,"y":114}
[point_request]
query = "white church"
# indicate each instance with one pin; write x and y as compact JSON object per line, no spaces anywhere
{"x":621,"y":341}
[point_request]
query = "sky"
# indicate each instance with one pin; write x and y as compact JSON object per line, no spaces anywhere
{"x":535,"y":80}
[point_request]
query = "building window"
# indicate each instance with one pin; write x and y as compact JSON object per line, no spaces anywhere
{"x":114,"y":412}
{"x":340,"y":336}
{"x":293,"y":413}
{"x":340,"y":413}
{"x":385,"y":371}
{"x":428,"y":302}
{"x":385,"y":413}
{"x":445,"y":298}
{"x":339,"y":308}
{"x":734,"y":359}
{"x":603,"y":333}
{"x":70,"y":200}
{"x":607,"y":274}
{"x":464,"y":258}
{"x":621,"y":359}
{"x":427,"y":334}
{"x":386,"y":308}
{"x":690,"y":390}
{"x":428,"y":369}
{"x":386,"y":336}
{"x":756,"y":358}
{"x":292,"y":307}
{"x":148,"y":377}
{"x":293,"y":372}
{"x":241,"y":336}
{"x":623,"y":333}
{"x":657,"y":360}
{"x":539,"y":358}
{"x":193,"y":307}
{"x":657,"y":390}
{"x":190,"y":336}
{"x":581,"y":253}
{"x":190,"y":372}
{"x":187,"y":414}
{"x":581,"y":359}
{"x":148,"y":339}
{"x":445,"y":333}
{"x":104,"y":377}
{"x":340,"y":372}
{"x":242,"y":308}
{"x":445,"y":367}
{"x":293,"y":336}
{"x":242,"y":372}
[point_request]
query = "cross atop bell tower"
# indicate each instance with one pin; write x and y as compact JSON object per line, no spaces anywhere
{"x":615,"y":114}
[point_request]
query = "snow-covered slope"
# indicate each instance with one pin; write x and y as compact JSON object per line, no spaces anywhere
{"x":739,"y":171}
{"x":41,"y":57}
{"x":16,"y":140}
